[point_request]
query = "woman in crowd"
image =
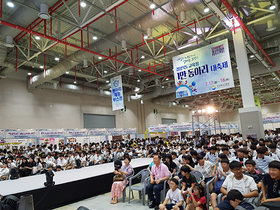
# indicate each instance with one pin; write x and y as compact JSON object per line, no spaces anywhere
{"x":118,"y":186}
{"x":172,"y":167}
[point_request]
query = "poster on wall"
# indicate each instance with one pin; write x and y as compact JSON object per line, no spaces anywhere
{"x":76,"y":132}
{"x":46,"y":133}
{"x":117,"y":93}
{"x":203,"y":70}
{"x":2,"y":134}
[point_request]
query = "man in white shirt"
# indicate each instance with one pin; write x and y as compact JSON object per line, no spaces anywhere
{"x":61,"y":162}
{"x":4,"y":170}
{"x":262,"y":160}
{"x":238,"y":181}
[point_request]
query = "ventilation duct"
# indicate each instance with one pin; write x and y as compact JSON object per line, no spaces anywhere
{"x":124,"y":45}
{"x":149,"y":33}
{"x":126,"y":33}
{"x":183,"y":19}
{"x":270,"y":26}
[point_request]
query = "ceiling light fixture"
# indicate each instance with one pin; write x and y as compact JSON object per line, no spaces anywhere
{"x":37,"y":37}
{"x":195,"y":36}
{"x":143,"y":57}
{"x":139,"y":70}
{"x":167,"y":79}
{"x":152,"y":6}
{"x":105,"y":72}
{"x":99,"y":57}
{"x":75,"y":82}
{"x":41,"y":67}
{"x":29,"y":73}
{"x":138,"y":80}
{"x":67,"y":72}
{"x":44,"y":12}
{"x":9,"y":41}
{"x":252,"y":56}
{"x":206,"y":10}
{"x":145,"y":37}
{"x":94,"y":37}
{"x":10,"y":4}
{"x":272,"y":7}
{"x":56,"y":58}
{"x":83,"y":3}
{"x":107,"y":81}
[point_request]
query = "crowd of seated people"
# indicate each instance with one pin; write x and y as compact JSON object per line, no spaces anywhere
{"x":234,"y":163}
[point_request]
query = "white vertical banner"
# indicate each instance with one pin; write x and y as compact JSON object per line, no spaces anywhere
{"x":117,"y":93}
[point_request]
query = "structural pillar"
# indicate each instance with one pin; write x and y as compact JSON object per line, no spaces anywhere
{"x":250,"y":115}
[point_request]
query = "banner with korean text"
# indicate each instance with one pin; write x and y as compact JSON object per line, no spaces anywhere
{"x":204,"y":70}
{"x":117,"y":93}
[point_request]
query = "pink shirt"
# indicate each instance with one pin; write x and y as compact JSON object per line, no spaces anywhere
{"x":160,"y":171}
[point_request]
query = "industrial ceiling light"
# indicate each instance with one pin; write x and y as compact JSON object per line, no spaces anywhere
{"x":83,"y":3}
{"x":206,"y":10}
{"x":142,"y":102}
{"x":9,"y":41}
{"x":167,"y":79}
{"x":183,"y":17}
{"x":162,"y":87}
{"x":138,"y":80}
{"x":67,"y":72}
{"x":143,"y":57}
{"x":124,"y":48}
{"x":75,"y":82}
{"x":41,"y":67}
{"x":252,"y":56}
{"x":145,"y":37}
{"x":195,"y":36}
{"x":152,"y":6}
{"x":149,"y":33}
{"x":272,"y":7}
{"x":44,"y":12}
{"x":94,"y":37}
{"x":270,"y":26}
{"x":99,"y":57}
{"x":37,"y":37}
{"x":10,"y":4}
{"x":56,"y":58}
{"x":29,"y":73}
{"x":139,"y":70}
{"x":105,"y":72}
{"x":107,"y":81}
{"x":85,"y":64}
{"x":210,"y":109}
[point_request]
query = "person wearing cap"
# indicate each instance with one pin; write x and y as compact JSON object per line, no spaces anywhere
{"x":271,"y":186}
{"x":244,"y":183}
{"x":262,"y":160}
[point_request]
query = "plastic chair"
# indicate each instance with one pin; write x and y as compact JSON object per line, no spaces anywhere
{"x":219,"y":200}
{"x":208,"y":191}
{"x":141,"y":188}
{"x":126,"y":182}
{"x":198,"y":176}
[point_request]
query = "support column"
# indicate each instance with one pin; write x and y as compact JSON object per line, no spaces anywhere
{"x":250,"y":115}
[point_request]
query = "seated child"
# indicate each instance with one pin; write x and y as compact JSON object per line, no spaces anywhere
{"x":251,"y":171}
{"x":234,"y":200}
{"x":197,"y":199}
{"x":174,"y":196}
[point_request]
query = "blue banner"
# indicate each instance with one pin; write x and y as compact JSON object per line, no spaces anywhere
{"x":204,"y":70}
{"x":117,"y":93}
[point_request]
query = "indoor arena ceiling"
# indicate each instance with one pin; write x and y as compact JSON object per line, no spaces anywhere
{"x":91,"y":44}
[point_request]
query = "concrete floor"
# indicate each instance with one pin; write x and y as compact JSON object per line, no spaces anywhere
{"x":102,"y":202}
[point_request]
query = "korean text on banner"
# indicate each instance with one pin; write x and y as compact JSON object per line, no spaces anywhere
{"x":117,"y":93}
{"x":204,"y":70}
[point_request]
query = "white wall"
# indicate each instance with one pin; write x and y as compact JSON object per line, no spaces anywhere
{"x":56,"y":109}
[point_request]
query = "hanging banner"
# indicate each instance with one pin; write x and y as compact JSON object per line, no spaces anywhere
{"x":76,"y":132}
{"x":115,"y":131}
{"x":180,"y":127}
{"x":97,"y":132}
{"x":204,"y":70}
{"x":159,"y":128}
{"x":117,"y":93}
{"x":2,"y":134}
{"x":257,"y":101}
{"x":271,"y":118}
{"x":129,"y":131}
{"x":45,"y":133}
{"x":21,"y":134}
